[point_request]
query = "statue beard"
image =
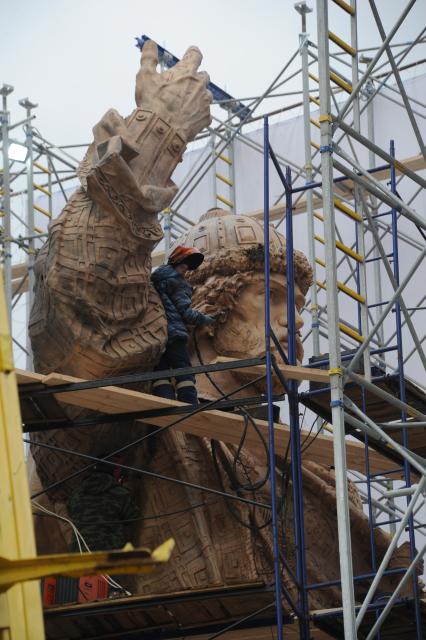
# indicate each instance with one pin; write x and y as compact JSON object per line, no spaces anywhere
{"x":248,"y":344}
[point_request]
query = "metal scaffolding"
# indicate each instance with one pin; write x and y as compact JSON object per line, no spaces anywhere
{"x":365,"y":359}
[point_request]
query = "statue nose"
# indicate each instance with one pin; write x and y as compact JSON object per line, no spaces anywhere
{"x":299,"y":321}
{"x":282,"y":320}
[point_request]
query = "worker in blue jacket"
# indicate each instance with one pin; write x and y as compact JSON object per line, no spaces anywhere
{"x":176,"y":295}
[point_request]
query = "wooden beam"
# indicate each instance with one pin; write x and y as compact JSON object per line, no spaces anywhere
{"x":220,"y":425}
{"x":289,"y":372}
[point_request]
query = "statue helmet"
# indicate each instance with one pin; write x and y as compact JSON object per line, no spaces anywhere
{"x":234,"y":243}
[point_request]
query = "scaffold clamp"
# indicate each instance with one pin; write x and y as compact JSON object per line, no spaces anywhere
{"x":336,"y":371}
{"x":336,"y":403}
{"x":326,"y":148}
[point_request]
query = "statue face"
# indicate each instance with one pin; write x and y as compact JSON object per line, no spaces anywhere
{"x":243,"y":334}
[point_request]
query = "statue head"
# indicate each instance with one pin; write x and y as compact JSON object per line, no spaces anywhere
{"x":231,"y":280}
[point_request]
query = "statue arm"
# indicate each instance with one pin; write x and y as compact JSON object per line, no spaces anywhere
{"x":129,"y":165}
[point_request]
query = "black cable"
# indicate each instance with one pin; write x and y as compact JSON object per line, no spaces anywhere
{"x":151,"y":474}
{"x":252,"y":527}
{"x":314,"y":438}
{"x":282,"y":507}
{"x":162,"y":515}
{"x":235,"y":484}
{"x":247,"y":418}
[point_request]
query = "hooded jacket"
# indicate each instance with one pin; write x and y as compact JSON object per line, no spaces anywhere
{"x":176,"y":295}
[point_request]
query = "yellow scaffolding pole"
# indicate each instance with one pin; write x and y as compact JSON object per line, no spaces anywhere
{"x":21,"y":616}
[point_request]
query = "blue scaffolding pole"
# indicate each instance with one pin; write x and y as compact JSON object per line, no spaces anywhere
{"x":271,"y":435}
{"x":402,"y":392}
{"x":296,"y":462}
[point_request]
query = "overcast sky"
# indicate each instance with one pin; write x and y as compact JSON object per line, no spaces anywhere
{"x":76,"y":58}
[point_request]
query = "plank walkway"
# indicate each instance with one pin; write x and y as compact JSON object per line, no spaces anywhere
{"x":220,"y":425}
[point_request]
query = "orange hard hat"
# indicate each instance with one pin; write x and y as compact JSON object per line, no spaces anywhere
{"x":189,"y":255}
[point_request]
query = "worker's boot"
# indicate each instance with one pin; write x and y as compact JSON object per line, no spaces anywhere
{"x":187,"y":391}
{"x":163,"y":389}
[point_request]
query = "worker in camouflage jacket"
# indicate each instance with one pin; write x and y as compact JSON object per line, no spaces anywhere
{"x":176,"y":295}
{"x":100,"y":508}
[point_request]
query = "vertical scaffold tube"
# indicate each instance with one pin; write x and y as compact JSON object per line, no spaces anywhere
{"x":303,"y":40}
{"x":6,"y":213}
{"x":336,"y":382}
{"x":271,"y":436}
{"x":402,"y":394}
{"x":296,"y":456}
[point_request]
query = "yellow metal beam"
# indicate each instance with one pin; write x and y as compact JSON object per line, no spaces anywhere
{"x":340,"y":82}
{"x":349,"y":252}
{"x":345,"y":6}
{"x":42,"y":168}
{"x":224,"y":158}
{"x":341,"y":286}
{"x":43,"y":211}
{"x":219,"y":176}
{"x":342,"y":44}
{"x":128,"y":560}
{"x":42,"y":189}
{"x":350,"y":332}
{"x":342,"y":247}
{"x":225,"y":201}
{"x":315,"y":123}
{"x":344,"y":208}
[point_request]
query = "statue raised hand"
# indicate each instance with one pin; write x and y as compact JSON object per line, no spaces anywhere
{"x":95,"y":311}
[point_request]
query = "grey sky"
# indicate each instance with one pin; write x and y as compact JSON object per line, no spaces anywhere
{"x":77,"y":58}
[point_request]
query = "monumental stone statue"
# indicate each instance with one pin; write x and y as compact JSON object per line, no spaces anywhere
{"x":96,"y":314}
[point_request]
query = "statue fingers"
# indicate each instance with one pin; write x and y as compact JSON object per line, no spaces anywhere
{"x":149,"y":58}
{"x":204,"y":77}
{"x":208,"y":96}
{"x":191,"y":59}
{"x":149,"y":62}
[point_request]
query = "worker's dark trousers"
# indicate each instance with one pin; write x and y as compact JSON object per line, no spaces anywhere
{"x":176,"y":357}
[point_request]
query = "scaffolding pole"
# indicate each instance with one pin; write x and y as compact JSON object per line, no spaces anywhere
{"x":336,"y":381}
{"x":6,"y":212}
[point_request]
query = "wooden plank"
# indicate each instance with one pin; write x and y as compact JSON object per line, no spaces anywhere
{"x":290,"y":372}
{"x":219,"y":425}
